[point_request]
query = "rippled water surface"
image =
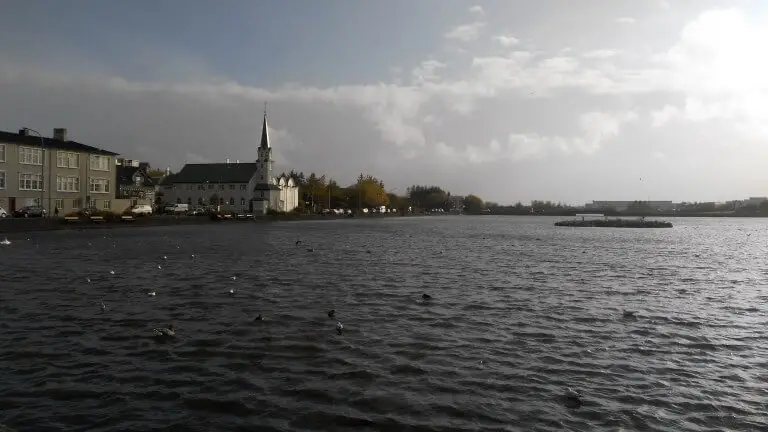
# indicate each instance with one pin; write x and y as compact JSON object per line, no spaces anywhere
{"x":521,"y":310}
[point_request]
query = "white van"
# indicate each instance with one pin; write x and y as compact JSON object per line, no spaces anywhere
{"x":141,"y":209}
{"x":176,"y":208}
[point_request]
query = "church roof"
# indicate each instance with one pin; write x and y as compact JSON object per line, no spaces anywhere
{"x":125,"y":175}
{"x":264,"y":131}
{"x":213,"y":173}
{"x":266,"y":186}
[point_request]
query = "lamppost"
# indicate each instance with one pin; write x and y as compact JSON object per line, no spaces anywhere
{"x":42,"y":167}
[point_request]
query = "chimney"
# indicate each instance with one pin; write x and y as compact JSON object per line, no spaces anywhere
{"x":60,"y":134}
{"x":23,"y":132}
{"x":227,"y":161}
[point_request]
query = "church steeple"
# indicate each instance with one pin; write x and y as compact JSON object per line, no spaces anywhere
{"x":264,"y":131}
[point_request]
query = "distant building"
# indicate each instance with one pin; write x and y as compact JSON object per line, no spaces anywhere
{"x":242,"y":186}
{"x":54,"y":172}
{"x":134,"y":183}
{"x":456,"y":203}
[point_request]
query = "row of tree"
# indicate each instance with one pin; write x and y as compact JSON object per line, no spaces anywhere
{"x":321,"y":192}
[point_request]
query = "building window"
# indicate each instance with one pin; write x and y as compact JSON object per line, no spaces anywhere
{"x":221,"y":187}
{"x":210,"y":186}
{"x":200,"y":201}
{"x":242,"y":201}
{"x":77,"y":203}
{"x":30,"y":156}
{"x":59,"y":203}
{"x":134,"y":202}
{"x":107,"y":204}
{"x":221,"y":201}
{"x":2,"y":152}
{"x":231,"y":187}
{"x":2,"y":179}
{"x":200,"y":187}
{"x":178,"y":200}
{"x":98,"y":185}
{"x":67,"y":184}
{"x":242,"y":187}
{"x":92,"y":203}
{"x":189,"y":200}
{"x":29,"y":181}
{"x":99,"y":163}
{"x":231,"y":201}
{"x":67,"y":159}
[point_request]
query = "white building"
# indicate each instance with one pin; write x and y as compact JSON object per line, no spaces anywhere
{"x":240,"y":186}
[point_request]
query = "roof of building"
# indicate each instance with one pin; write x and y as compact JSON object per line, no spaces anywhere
{"x":266,"y":186}
{"x":213,"y":173}
{"x":264,"y":132}
{"x":125,"y":176}
{"x":34,"y":140}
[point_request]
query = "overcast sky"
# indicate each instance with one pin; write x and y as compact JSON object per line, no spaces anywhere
{"x":511,"y":100}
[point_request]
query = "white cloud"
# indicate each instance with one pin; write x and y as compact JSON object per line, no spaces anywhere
{"x":506,"y":41}
{"x":597,"y":128}
{"x":601,"y":53}
{"x":625,"y":20}
{"x":466,"y":32}
{"x":477,"y":9}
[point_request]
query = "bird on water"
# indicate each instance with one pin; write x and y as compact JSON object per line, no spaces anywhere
{"x":331,"y":313}
{"x":339,"y":327}
{"x":426,"y":296}
{"x":164,"y":332}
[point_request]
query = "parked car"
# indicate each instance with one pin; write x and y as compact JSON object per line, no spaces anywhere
{"x":30,"y":211}
{"x":176,"y":209}
{"x":3,"y":213}
{"x":141,"y":209}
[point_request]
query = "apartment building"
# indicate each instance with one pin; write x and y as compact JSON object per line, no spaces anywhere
{"x":56,"y":172}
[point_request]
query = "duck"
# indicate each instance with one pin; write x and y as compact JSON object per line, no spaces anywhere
{"x":572,"y":399}
{"x":426,"y":296}
{"x":331,"y":313}
{"x":164,"y":332}
{"x":259,"y":318}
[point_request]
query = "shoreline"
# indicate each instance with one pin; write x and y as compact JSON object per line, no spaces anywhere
{"x":21,"y":225}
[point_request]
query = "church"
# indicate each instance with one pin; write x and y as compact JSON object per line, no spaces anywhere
{"x":242,"y":187}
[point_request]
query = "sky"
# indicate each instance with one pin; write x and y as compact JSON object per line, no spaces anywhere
{"x":510,"y":100}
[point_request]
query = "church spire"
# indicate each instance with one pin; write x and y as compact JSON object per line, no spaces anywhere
{"x":264,"y":132}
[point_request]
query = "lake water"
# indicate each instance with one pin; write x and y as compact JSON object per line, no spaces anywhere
{"x":521,"y":310}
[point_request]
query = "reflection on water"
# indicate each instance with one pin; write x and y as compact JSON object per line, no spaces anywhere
{"x":521,"y":310}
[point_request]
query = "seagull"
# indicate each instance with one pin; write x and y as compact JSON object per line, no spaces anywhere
{"x":151,"y":294}
{"x":233,"y":277}
{"x":5,"y":242}
{"x":164,"y":332}
{"x":231,"y":291}
{"x":339,"y":327}
{"x":159,"y":266}
{"x":111,"y":272}
{"x":165,"y":257}
{"x":88,"y":280}
{"x":103,"y":307}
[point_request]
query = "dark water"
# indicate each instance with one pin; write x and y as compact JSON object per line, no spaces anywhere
{"x":521,"y":310}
